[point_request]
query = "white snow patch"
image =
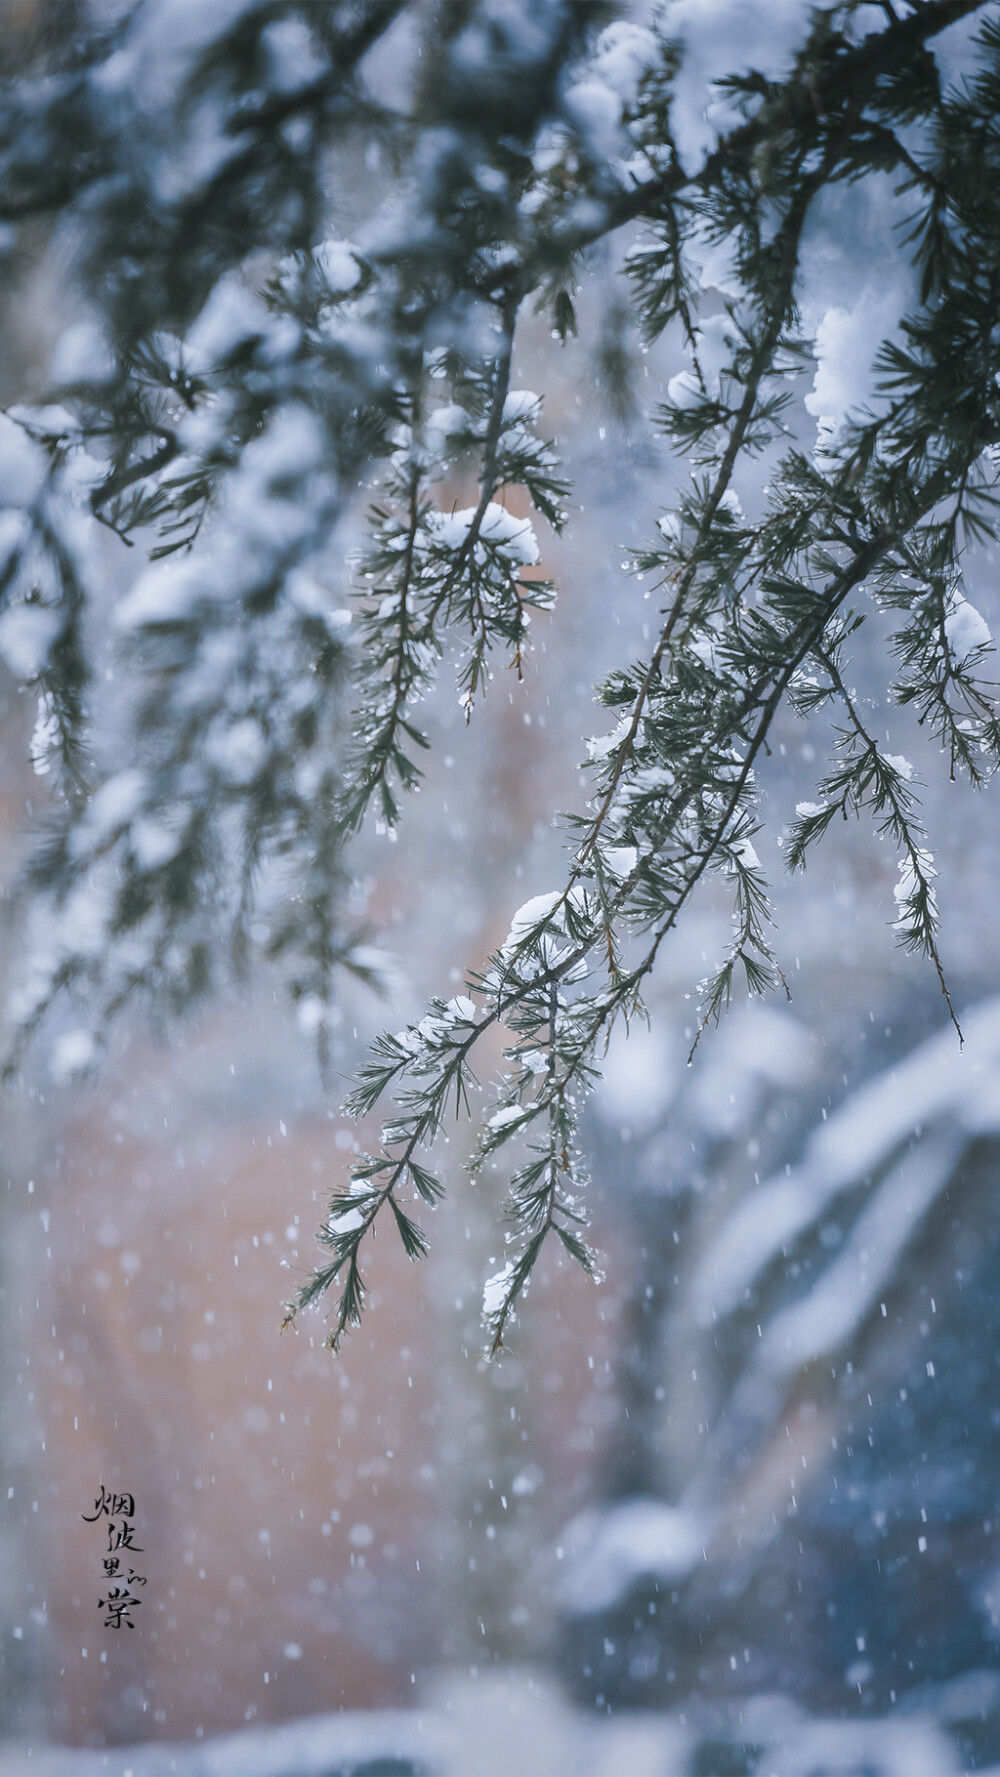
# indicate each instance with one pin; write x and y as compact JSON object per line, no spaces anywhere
{"x":113,"y":806}
{"x":608,"y":1550}
{"x":720,"y":37}
{"x":851,"y":246}
{"x":168,"y":592}
{"x":595,"y":110}
{"x":623,"y":54}
{"x":73,"y":1056}
{"x":449,"y":420}
{"x":620,"y":860}
{"x":684,"y":390}
{"x":602,"y":744}
{"x":908,"y":884}
{"x":529,"y":915}
{"x":44,"y":735}
{"x":521,"y":404}
{"x":502,"y":1119}
{"x":23,"y":465}
{"x":338,"y":263}
{"x":291,"y":446}
{"x":745,"y":853}
{"x":15,"y":530}
{"x":238,"y":750}
{"x":231,"y":316}
{"x":347,"y":1220}
{"x":153,"y":845}
{"x":312,"y":1014}
{"x":82,"y":355}
{"x":291,"y":55}
{"x":716,"y":342}
{"x":27,"y":636}
{"x":965,"y":628}
{"x":510,"y":536}
{"x":495,"y":1289}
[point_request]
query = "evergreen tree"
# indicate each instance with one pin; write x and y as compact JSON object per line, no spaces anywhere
{"x":243,"y":385}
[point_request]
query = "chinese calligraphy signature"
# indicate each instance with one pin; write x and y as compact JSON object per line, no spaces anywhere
{"x":119,"y":1510}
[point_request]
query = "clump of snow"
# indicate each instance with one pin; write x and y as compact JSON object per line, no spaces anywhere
{"x":346,"y":1218}
{"x":602,"y":744}
{"x":237,"y":750}
{"x":44,"y":735}
{"x":203,"y":433}
{"x":534,"y":1061}
{"x":436,"y":1028}
{"x":851,"y":246}
{"x":312,"y":1014}
{"x":292,"y":62}
{"x":269,"y":509}
{"x":15,"y":531}
{"x":520,"y":404}
{"x":966,"y":630}
{"x":684,"y":390}
{"x":548,"y":911}
{"x":720,"y":37}
{"x":805,"y":810}
{"x":845,"y":343}
{"x":595,"y":110}
{"x":168,"y":592}
{"x":495,"y":1289}
{"x":113,"y":806}
{"x":74,"y":1056}
{"x":511,"y":537}
{"x":529,"y":915}
{"x":337,"y":260}
{"x":620,"y":860}
{"x":909,"y":883}
{"x":164,"y":40}
{"x":716,"y":340}
{"x":28,"y":634}
{"x":607,"y":1551}
{"x":503,"y":1119}
{"x":22,"y":465}
{"x":450,"y":420}
{"x":744,"y":853}
{"x":153,"y":844}
{"x":900,"y":764}
{"x":716,"y":261}
{"x":231,"y":317}
{"x":624,"y":52}
{"x":82,"y":355}
{"x":291,"y":446}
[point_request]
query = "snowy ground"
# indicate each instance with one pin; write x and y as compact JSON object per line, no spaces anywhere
{"x":519,"y":1726}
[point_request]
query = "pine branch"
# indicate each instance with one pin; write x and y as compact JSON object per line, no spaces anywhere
{"x":878,"y":781}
